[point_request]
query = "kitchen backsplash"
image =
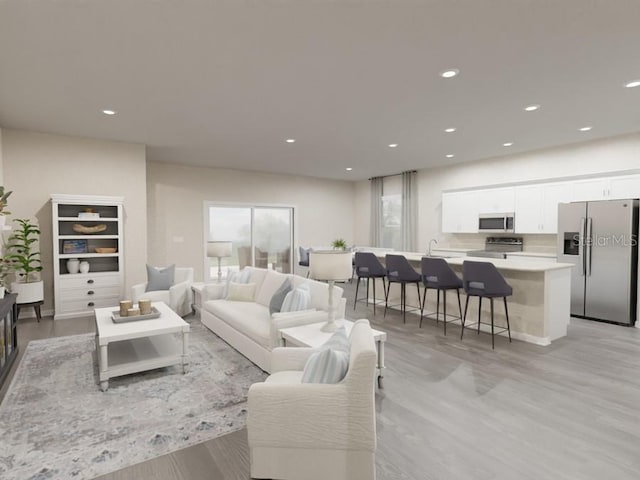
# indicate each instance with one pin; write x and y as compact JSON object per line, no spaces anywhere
{"x":532,"y":243}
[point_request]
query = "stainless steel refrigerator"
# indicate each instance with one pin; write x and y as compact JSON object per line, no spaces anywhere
{"x":601,"y":240}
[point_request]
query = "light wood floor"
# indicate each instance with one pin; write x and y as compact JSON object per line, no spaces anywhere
{"x":454,"y":409}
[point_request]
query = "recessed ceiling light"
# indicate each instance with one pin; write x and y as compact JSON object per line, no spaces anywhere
{"x":450,"y":73}
{"x":393,"y":145}
{"x":635,"y":83}
{"x":348,"y":169}
{"x":109,"y":112}
{"x":585,"y":129}
{"x":450,"y":155}
{"x":450,"y":130}
{"x":508,"y":144}
{"x":532,"y":108}
{"x":290,"y":140}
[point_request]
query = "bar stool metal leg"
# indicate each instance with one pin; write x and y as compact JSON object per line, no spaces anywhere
{"x":444,"y":309}
{"x":479,"y":312}
{"x":466,"y":307}
{"x":506,"y":312}
{"x":493,"y":345}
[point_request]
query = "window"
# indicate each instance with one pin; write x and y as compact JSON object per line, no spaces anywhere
{"x":392,"y":213}
{"x":262,"y":236}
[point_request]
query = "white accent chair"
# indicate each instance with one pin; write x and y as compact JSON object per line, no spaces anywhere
{"x":178,"y":297}
{"x":306,"y":431}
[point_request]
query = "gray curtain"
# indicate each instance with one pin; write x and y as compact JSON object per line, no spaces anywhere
{"x":409,"y":210}
{"x":375,"y":226}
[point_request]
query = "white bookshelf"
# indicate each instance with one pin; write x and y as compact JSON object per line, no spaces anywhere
{"x":78,"y":294}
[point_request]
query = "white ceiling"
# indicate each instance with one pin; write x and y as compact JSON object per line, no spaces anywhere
{"x":224,"y":83}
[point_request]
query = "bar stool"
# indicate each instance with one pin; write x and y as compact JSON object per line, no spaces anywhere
{"x":368,"y":266}
{"x":482,"y":280}
{"x":438,"y":275}
{"x":399,"y":270}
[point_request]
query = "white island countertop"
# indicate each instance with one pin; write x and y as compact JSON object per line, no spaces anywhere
{"x":539,"y":309}
{"x":500,"y":263}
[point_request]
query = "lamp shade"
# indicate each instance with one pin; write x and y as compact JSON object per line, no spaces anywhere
{"x":330,"y":265}
{"x":219,"y":249}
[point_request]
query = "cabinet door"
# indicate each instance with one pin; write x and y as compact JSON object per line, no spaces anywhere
{"x":554,"y":193}
{"x":624,"y":187}
{"x":496,"y":200}
{"x":587,"y":190}
{"x":528,"y":211}
{"x":459,"y":212}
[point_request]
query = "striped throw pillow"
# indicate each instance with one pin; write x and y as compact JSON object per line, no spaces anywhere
{"x":297,"y":299}
{"x":329,"y":365}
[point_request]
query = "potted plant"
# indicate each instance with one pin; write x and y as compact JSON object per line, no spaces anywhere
{"x":3,"y":203}
{"x":25,"y":261}
{"x":339,"y":244}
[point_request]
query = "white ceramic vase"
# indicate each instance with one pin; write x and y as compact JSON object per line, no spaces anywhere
{"x":73,"y":265}
{"x":84,"y":267}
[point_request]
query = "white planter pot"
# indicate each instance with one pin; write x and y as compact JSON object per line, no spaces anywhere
{"x":1,"y":292}
{"x":3,"y":220}
{"x":28,"y":292}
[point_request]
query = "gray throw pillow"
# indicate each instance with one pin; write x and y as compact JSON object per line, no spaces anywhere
{"x":160,"y":278}
{"x":275,"y":305}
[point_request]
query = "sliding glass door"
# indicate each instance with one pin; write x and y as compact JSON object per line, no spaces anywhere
{"x":261,"y":236}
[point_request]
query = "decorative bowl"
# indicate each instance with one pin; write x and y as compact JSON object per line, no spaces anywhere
{"x":78,"y":228}
{"x":106,"y":249}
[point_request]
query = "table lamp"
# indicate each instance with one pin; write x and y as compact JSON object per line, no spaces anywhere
{"x":219,"y":249}
{"x":330,"y":266}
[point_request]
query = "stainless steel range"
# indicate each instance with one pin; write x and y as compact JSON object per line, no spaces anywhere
{"x":498,"y":247}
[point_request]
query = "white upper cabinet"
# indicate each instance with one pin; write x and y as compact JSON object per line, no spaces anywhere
{"x":627,"y":186}
{"x":537,"y":206}
{"x":591,"y":189}
{"x":554,"y":193}
{"x":528,"y":208}
{"x":496,"y":200}
{"x":608,"y":188}
{"x":460,"y":212}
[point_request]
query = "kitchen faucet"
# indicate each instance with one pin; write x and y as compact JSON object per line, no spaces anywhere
{"x":433,"y":240}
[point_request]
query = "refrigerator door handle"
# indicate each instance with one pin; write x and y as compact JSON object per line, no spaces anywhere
{"x":581,"y":245}
{"x":588,"y":247}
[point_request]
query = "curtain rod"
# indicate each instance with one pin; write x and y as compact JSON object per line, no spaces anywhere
{"x":394,"y":175}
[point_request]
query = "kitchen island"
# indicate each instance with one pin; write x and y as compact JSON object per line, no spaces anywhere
{"x":539,"y":309}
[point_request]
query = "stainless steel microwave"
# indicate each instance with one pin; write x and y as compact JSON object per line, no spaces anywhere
{"x":496,"y":222}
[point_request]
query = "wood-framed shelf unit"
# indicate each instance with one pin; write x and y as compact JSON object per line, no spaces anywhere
{"x":78,"y":294}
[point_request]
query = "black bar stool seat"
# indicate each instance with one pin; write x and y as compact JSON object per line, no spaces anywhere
{"x":399,"y":270}
{"x":482,"y":280}
{"x":438,"y":275}
{"x":367,"y":266}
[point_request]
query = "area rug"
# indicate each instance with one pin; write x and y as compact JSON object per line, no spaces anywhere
{"x":55,"y":423}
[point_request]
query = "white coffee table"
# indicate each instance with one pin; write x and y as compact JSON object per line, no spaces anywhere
{"x":124,"y":348}
{"x":311,"y":336}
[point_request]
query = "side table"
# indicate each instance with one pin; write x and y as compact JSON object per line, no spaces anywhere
{"x":310,"y":335}
{"x":197,"y":288}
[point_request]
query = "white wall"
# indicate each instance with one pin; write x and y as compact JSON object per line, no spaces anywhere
{"x":176,"y":196}
{"x":1,"y":163}
{"x":37,"y":165}
{"x":595,"y":157}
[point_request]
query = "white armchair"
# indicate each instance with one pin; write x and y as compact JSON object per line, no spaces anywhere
{"x":307,"y":431}
{"x":178,"y":297}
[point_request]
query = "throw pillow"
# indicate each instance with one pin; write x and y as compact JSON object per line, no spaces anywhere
{"x":160,"y":278}
{"x":297,"y":299}
{"x":237,"y":277}
{"x":275,"y":305}
{"x":331,"y":363}
{"x":241,"y":292}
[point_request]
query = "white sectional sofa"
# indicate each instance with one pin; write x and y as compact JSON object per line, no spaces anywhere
{"x":249,"y":327}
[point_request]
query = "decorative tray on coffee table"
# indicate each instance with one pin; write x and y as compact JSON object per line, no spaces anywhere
{"x":115,"y":316}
